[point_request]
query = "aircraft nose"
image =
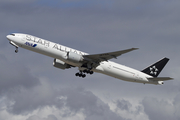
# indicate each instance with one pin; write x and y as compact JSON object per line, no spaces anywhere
{"x":8,"y":37}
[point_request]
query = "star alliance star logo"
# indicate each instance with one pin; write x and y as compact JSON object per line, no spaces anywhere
{"x":153,"y":70}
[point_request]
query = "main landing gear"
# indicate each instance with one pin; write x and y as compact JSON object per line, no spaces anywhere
{"x":81,"y":73}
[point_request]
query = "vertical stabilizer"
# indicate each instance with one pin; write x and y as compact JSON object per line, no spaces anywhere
{"x":156,"y":68}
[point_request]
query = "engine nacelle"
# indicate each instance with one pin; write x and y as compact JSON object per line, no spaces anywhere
{"x":60,"y":64}
{"x":160,"y":82}
{"x":74,"y":57}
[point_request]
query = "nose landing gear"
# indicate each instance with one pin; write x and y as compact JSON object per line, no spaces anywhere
{"x":13,"y":44}
{"x":16,"y":51}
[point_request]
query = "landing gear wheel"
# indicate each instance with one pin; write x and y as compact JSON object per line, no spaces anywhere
{"x":80,"y":74}
{"x":83,"y":75}
{"x":77,"y":74}
{"x":91,"y":72}
{"x":85,"y":71}
{"x":16,"y":51}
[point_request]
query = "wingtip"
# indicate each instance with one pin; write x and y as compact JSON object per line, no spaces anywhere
{"x":135,"y":48}
{"x":171,"y":78}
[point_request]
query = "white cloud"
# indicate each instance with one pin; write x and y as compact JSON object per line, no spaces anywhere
{"x":31,"y":88}
{"x":68,"y":102}
{"x":160,"y":109}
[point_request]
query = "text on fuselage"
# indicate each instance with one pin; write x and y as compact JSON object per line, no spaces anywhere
{"x":38,"y":40}
{"x":54,"y":46}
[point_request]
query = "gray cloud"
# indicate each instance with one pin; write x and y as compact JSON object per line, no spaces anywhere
{"x":127,"y":107}
{"x":161,"y":109}
{"x":35,"y":117}
{"x":15,"y":76}
{"x":76,"y":100}
{"x":124,"y":105}
{"x":27,"y":100}
{"x":91,"y":105}
{"x":28,"y":82}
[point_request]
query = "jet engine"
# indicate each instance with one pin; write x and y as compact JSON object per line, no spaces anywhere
{"x":160,"y":82}
{"x":74,"y":57}
{"x":60,"y":64}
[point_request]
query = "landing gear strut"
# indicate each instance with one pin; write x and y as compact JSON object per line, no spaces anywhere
{"x":81,"y":73}
{"x":88,"y":72}
{"x":12,"y":43}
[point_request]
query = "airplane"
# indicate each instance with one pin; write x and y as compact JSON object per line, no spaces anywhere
{"x":65,"y":57}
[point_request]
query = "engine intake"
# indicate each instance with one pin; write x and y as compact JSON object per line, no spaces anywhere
{"x":60,"y":64}
{"x":74,"y":57}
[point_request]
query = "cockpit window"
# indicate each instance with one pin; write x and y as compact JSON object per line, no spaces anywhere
{"x":13,"y":34}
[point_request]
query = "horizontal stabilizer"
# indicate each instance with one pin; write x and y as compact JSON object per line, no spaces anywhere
{"x":160,"y":78}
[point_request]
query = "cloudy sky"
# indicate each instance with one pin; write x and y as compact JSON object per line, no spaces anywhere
{"x":32,"y":89}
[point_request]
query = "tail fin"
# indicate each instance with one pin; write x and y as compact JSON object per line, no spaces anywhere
{"x":156,"y":68}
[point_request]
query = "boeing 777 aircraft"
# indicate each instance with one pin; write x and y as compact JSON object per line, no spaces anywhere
{"x":65,"y":57}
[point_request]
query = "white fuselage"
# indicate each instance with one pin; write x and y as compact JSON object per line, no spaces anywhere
{"x":58,"y":51}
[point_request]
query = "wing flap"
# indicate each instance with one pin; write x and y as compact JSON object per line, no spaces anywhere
{"x":160,"y":78}
{"x":107,"y":56}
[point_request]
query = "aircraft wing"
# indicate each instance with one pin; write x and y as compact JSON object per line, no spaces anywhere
{"x":106,"y":56}
{"x":160,"y":78}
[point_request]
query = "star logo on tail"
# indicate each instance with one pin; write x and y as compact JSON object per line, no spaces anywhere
{"x":153,"y":70}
